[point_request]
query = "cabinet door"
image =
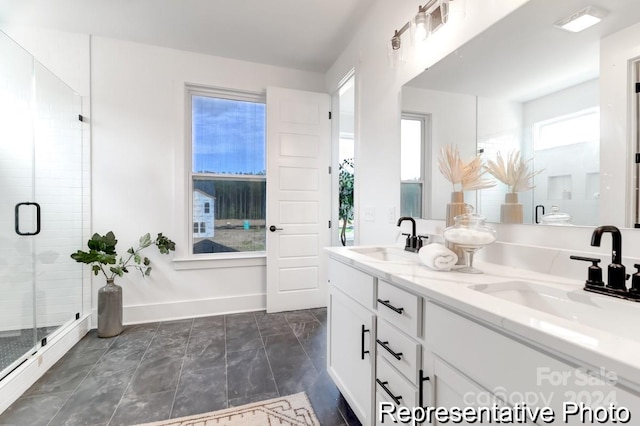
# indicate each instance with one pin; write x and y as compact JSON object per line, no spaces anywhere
{"x":350,"y":357}
{"x":448,"y":388}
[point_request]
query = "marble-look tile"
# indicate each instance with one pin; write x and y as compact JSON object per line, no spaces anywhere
{"x":95,"y":400}
{"x":243,"y":317}
{"x":35,"y":410}
{"x":292,"y":369}
{"x":236,"y":402}
{"x":125,"y":356}
{"x":155,"y":375}
{"x":92,"y":341}
{"x":212,"y":327}
{"x":67,"y":373}
{"x":179,"y":327}
{"x":313,"y":338}
{"x":201,"y":391}
{"x":242,"y":336}
{"x":167,"y":345}
{"x":320,"y":314}
{"x":248,"y":373}
{"x":299,"y":316}
{"x":202,"y":352}
{"x":272,"y":324}
{"x":143,"y":409}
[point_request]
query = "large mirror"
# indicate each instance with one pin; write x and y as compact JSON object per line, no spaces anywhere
{"x":524,"y":84}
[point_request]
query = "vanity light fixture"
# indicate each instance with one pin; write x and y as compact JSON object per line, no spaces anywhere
{"x":429,"y":18}
{"x":582,"y":19}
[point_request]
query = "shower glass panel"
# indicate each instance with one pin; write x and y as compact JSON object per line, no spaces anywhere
{"x":40,"y":204}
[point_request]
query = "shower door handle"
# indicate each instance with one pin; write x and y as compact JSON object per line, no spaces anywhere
{"x":17,"y":220}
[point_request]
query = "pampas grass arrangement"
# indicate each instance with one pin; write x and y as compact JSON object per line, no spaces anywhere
{"x":514,"y":172}
{"x":468,"y":176}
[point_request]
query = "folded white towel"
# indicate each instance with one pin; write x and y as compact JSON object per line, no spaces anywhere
{"x":438,"y":257}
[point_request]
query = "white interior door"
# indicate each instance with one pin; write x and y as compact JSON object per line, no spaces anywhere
{"x":298,"y":198}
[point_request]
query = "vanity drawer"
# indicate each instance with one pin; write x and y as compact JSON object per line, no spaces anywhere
{"x":389,"y":381}
{"x":390,"y":340}
{"x":353,"y":282}
{"x":400,"y":308}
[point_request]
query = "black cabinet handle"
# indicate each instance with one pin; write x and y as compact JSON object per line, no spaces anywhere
{"x":390,"y":306}
{"x":423,"y":379}
{"x":396,"y":399}
{"x":273,"y":228}
{"x":362,"y":351}
{"x":396,"y":355}
{"x":17,"y":218}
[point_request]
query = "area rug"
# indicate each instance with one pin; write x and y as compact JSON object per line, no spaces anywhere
{"x":291,"y":410}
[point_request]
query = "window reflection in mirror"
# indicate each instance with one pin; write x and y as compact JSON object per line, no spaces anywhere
{"x":413,"y":141}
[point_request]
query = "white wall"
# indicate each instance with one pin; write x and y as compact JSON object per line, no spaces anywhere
{"x":139,"y":176}
{"x":378,"y":97}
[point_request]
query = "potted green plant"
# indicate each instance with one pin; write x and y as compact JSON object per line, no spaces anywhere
{"x":102,"y":257}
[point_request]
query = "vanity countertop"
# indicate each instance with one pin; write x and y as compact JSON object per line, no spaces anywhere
{"x":606,"y":339}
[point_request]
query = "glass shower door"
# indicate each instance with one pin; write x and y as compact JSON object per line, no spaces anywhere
{"x":41,"y":204}
{"x":58,"y":190}
{"x":17,"y":278}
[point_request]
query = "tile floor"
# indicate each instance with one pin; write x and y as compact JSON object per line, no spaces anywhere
{"x":172,"y":369}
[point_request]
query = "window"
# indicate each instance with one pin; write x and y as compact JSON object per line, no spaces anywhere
{"x":228,"y":171}
{"x":412,"y":148}
{"x":581,"y":127}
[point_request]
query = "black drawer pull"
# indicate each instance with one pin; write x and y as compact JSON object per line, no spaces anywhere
{"x":396,"y":355}
{"x":423,"y":379}
{"x":363,"y":330}
{"x":390,"y":306}
{"x":396,"y":399}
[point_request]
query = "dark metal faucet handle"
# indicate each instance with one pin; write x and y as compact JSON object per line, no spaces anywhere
{"x":594,"y":277}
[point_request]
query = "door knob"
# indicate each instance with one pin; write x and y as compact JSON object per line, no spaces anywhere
{"x":273,"y":228}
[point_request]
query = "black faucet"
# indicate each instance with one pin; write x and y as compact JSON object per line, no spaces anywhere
{"x":616,"y":274}
{"x":413,"y":242}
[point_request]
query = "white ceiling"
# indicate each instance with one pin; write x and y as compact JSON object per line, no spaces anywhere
{"x":524,"y":56}
{"x":301,"y":34}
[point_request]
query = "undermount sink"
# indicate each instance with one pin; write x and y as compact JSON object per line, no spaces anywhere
{"x":602,"y":312}
{"x":386,"y":254}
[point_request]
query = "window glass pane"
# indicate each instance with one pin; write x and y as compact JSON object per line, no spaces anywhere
{"x":584,"y":127}
{"x":228,"y":136}
{"x":410,"y":149}
{"x":236,"y":220}
{"x":411,"y":199}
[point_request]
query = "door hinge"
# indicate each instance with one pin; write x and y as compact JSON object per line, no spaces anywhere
{"x":637,"y":89}
{"x":329,"y":224}
{"x":80,"y":117}
{"x":637,"y":157}
{"x":329,"y":169}
{"x":329,"y":115}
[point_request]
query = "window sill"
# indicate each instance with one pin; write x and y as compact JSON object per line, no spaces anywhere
{"x":215,"y":261}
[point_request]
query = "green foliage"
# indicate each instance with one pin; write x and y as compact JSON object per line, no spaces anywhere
{"x":102,"y":253}
{"x":345,"y":196}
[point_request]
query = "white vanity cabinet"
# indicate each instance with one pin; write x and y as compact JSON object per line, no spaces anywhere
{"x":390,"y":342}
{"x":476,"y":365}
{"x":351,"y":337}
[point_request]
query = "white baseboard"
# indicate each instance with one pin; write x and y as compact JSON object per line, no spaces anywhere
{"x":14,"y":385}
{"x":191,"y":308}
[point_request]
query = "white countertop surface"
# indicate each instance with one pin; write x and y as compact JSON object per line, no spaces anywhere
{"x":614,"y":343}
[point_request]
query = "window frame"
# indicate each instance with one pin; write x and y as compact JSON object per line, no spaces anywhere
{"x":189,"y":257}
{"x":425,"y":169}
{"x":539,"y":125}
